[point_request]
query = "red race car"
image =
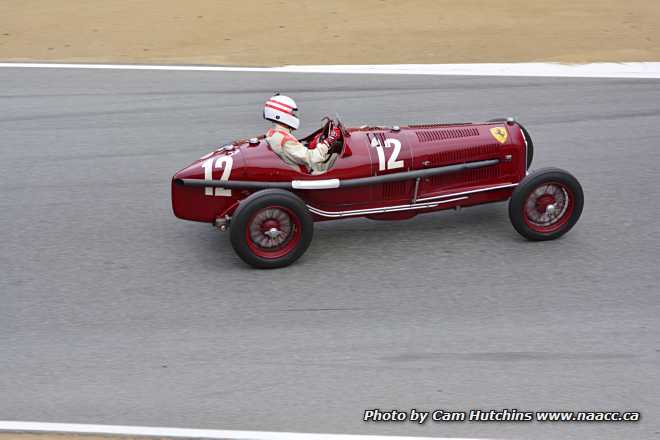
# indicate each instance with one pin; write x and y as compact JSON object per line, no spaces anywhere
{"x":383,"y":173}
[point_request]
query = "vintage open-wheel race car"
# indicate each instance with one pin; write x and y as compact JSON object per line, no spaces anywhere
{"x":384,"y":173}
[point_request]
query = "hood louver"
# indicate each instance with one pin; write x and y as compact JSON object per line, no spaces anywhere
{"x":443,"y":135}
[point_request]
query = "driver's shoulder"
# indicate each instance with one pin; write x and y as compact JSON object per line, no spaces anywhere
{"x":280,"y":135}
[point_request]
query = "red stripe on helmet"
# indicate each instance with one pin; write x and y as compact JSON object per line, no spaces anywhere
{"x":275,"y":101}
{"x":269,"y":105}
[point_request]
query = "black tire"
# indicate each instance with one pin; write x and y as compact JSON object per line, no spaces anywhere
{"x":530,"y":214}
{"x":530,"y":145}
{"x":260,"y":204}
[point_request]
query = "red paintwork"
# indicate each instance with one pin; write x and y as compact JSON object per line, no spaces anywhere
{"x":421,"y":147}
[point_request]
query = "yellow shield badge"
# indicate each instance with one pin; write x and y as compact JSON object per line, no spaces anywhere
{"x":500,"y":134}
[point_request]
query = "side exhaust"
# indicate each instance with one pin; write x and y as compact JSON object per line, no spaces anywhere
{"x":337,"y":183}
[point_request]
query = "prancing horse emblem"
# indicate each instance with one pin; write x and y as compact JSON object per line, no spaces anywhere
{"x":499,"y":133}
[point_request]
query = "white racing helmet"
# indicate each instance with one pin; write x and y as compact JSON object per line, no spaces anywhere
{"x":282,"y":109}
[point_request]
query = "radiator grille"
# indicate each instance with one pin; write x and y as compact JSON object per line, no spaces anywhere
{"x":442,"y":135}
{"x":438,"y":125}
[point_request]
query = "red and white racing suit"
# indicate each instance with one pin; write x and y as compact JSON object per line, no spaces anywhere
{"x":294,"y":154}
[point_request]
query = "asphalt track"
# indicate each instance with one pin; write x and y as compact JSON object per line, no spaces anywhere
{"x":113,"y":311}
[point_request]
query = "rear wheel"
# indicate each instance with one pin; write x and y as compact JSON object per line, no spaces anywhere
{"x":546,"y":204}
{"x":271,"y":228}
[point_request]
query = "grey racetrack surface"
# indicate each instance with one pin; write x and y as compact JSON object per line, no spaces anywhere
{"x":113,"y":311}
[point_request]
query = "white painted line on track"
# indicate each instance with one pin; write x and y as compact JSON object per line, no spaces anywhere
{"x":71,"y":428}
{"x":591,"y":70}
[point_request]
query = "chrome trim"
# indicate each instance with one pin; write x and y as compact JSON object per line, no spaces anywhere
{"x":336,"y":214}
{"x":490,"y":188}
{"x":414,"y":199}
{"x":315,"y":184}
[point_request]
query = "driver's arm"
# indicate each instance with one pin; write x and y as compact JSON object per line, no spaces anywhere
{"x":303,"y":155}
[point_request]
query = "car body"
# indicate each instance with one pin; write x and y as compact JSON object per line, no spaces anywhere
{"x":387,"y":173}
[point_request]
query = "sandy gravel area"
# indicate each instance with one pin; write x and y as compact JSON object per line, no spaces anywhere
{"x":279,"y":32}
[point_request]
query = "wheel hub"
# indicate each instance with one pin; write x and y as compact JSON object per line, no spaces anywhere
{"x":270,"y":228}
{"x":269,"y":224}
{"x":547,"y":204}
{"x":273,"y":233}
{"x":544,"y":202}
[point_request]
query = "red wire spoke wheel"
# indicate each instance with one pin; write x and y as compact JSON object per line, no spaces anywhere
{"x":549,"y":207}
{"x":546,"y":204}
{"x":273,"y":232}
{"x":271,"y":228}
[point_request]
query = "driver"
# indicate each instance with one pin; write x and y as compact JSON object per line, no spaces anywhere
{"x":282,"y":111}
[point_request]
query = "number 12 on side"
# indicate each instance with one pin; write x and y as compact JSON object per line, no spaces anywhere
{"x":393,"y":145}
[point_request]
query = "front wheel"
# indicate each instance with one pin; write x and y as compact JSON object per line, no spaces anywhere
{"x":271,"y":228}
{"x":546,"y":204}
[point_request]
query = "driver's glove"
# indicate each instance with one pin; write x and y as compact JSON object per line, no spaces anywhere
{"x":334,"y":136}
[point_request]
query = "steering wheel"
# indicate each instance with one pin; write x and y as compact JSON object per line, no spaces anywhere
{"x":326,"y":127}
{"x":329,"y":126}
